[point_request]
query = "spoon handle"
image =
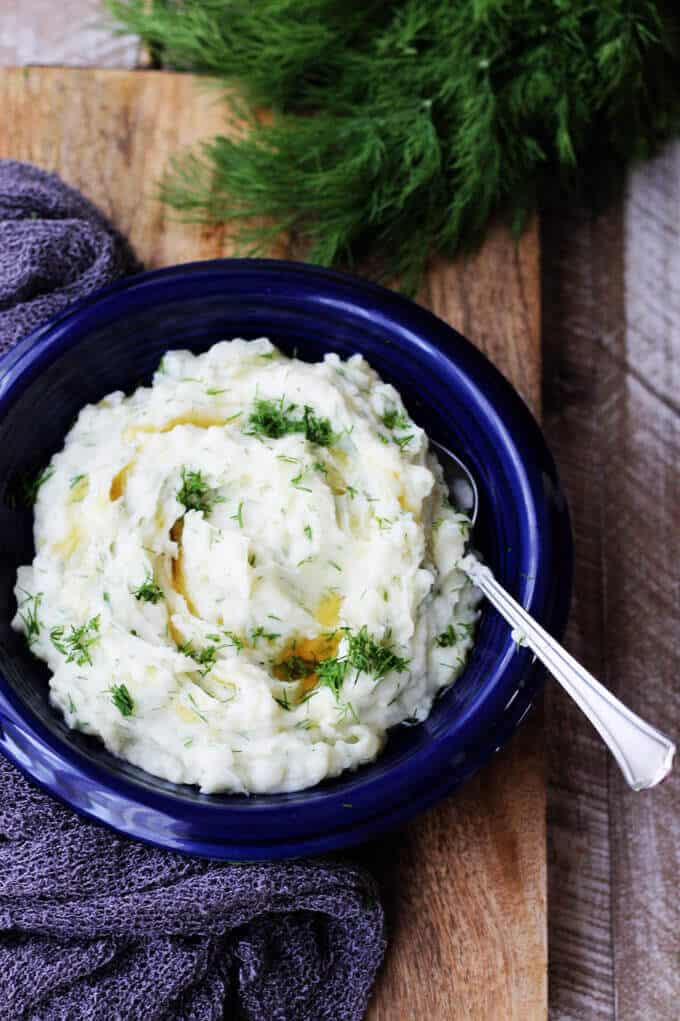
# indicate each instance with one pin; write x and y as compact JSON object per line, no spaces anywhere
{"x":644,"y":754}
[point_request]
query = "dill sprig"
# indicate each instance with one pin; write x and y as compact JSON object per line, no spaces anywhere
{"x":149,"y":591}
{"x":77,"y":643}
{"x":447,"y":638}
{"x":394,"y":419}
{"x":205,"y":658}
{"x":405,"y":127}
{"x":296,"y":668}
{"x":275,"y":419}
{"x":28,"y":610}
{"x":122,"y":699}
{"x":30,"y":485}
{"x":365,"y":654}
{"x":195,"y":493}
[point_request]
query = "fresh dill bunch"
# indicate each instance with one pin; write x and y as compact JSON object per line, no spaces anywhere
{"x":195,"y":493}
{"x":122,"y":699}
{"x":403,"y":128}
{"x":149,"y":591}
{"x":77,"y":643}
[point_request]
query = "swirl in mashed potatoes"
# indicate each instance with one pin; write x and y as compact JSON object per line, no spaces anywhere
{"x":247,"y":572}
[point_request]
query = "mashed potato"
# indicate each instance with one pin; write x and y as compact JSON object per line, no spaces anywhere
{"x":247,"y":572}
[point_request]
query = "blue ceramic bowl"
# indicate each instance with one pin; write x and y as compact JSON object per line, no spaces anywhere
{"x":113,"y":341}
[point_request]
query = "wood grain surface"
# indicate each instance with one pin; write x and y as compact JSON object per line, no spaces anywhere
{"x":612,"y":354}
{"x":466,"y":885}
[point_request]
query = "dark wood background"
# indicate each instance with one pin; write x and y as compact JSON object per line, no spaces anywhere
{"x":611,"y":337}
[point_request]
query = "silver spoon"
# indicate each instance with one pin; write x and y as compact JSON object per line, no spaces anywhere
{"x":643,"y":753}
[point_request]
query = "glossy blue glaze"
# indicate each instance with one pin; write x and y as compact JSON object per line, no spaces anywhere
{"x":113,"y":341}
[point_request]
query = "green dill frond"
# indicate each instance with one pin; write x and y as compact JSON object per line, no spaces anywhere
{"x":447,"y":638}
{"x":331,"y":674}
{"x":374,"y":657}
{"x":77,"y":643}
{"x":149,"y":591}
{"x":122,"y":699}
{"x":395,"y":419}
{"x":296,"y":668}
{"x":259,"y":632}
{"x":195,"y":493}
{"x":206,"y":658}
{"x":275,"y":419}
{"x":28,"y":610}
{"x":403,"y":128}
{"x":30,"y":485}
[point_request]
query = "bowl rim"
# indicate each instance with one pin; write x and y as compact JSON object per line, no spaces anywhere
{"x":204,"y":828}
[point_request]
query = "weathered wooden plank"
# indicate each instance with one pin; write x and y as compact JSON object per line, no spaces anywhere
{"x":71,"y":32}
{"x":612,"y":336}
{"x":465,"y":885}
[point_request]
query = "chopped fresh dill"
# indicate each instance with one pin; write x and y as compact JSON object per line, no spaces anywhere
{"x":296,"y":668}
{"x":195,"y":493}
{"x":149,"y":591}
{"x":282,"y":700}
{"x":189,"y":741}
{"x":351,"y":491}
{"x":275,"y":419}
{"x":372,"y":657}
{"x":273,"y":616}
{"x":304,"y":724}
{"x":268,"y":356}
{"x":403,"y":441}
{"x":306,"y":560}
{"x":73,"y":482}
{"x":384,"y":523}
{"x":237,"y":642}
{"x":288,"y":460}
{"x":346,"y":709}
{"x":195,"y":708}
{"x":447,"y":638}
{"x":336,"y":566}
{"x":232,"y":418}
{"x":251,"y":559}
{"x":30,"y":485}
{"x":213,"y":392}
{"x":259,"y":632}
{"x":394,"y":419}
{"x":317,"y":430}
{"x":71,"y":705}
{"x":238,"y":516}
{"x":383,"y":439}
{"x":29,"y":609}
{"x":206,"y":658}
{"x":308,"y":532}
{"x":122,"y":699}
{"x":77,"y":644}
{"x":320,"y":467}
{"x":331,"y":674}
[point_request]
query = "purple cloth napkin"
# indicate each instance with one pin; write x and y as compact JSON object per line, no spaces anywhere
{"x":97,"y":927}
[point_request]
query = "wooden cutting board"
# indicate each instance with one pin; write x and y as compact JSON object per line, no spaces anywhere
{"x":465,"y":885}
